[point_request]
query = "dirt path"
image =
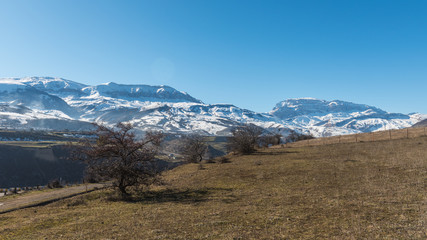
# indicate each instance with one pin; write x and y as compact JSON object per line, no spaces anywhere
{"x":35,"y":198}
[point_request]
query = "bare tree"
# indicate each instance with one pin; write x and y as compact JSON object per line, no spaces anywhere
{"x":193,"y":148}
{"x":244,"y":139}
{"x":118,"y":156}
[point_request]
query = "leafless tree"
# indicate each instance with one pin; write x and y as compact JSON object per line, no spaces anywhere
{"x":116,"y":155}
{"x":245,"y":138}
{"x":193,"y":147}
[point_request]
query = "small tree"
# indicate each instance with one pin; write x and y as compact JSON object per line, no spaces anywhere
{"x":193,"y":148}
{"x":118,"y":156}
{"x":244,"y":138}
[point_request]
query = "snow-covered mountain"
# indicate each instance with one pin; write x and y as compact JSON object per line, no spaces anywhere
{"x":328,"y":118}
{"x":57,"y":104}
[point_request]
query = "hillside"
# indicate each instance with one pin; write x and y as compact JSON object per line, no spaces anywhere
{"x":23,"y":166}
{"x":363,"y":190}
{"x":31,"y":158}
{"x":422,"y":123}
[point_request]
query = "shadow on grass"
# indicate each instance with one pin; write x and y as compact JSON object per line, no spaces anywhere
{"x":179,"y":196}
{"x":271,"y":153}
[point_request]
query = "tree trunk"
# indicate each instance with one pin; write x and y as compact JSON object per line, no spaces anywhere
{"x":122,"y":188}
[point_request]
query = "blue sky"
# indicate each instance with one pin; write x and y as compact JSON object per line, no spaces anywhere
{"x":249,"y":53}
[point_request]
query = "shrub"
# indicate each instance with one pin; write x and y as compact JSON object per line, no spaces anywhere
{"x":54,"y":184}
{"x":295,"y":136}
{"x":224,"y":159}
{"x":244,"y":138}
{"x":270,"y":139}
{"x":193,"y":148}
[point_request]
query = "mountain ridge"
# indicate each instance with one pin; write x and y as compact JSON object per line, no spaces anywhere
{"x":56,"y":100}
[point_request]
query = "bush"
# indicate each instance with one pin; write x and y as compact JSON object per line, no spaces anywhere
{"x":54,"y":184}
{"x":193,"y":148}
{"x":294,"y":137}
{"x":245,"y":138}
{"x":270,"y":139}
{"x":224,"y":159}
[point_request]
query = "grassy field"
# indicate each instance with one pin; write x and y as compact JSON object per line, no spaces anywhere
{"x":365,"y":190}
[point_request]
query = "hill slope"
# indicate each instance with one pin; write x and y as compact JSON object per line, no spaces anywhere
{"x":32,"y":166}
{"x":422,"y":123}
{"x":342,"y":191}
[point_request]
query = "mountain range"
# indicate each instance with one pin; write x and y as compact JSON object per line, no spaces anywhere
{"x":58,"y":104}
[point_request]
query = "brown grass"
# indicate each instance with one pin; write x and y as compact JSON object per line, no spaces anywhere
{"x":35,"y":197}
{"x":368,"y":190}
{"x":363,"y":137}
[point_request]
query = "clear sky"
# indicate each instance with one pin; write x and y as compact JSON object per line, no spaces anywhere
{"x":249,"y":53}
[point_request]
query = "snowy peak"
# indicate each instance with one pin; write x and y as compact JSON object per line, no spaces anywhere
{"x":52,"y":84}
{"x":311,"y":106}
{"x":328,"y":118}
{"x":69,"y":89}
{"x":44,"y":83}
{"x":140,"y":92}
{"x":8,"y":85}
{"x":58,"y":87}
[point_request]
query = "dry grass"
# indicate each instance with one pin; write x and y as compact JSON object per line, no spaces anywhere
{"x":363,"y":137}
{"x":368,"y":190}
{"x":31,"y":198}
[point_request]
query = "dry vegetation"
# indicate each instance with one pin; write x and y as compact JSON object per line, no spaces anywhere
{"x":363,"y":190}
{"x":363,"y":137}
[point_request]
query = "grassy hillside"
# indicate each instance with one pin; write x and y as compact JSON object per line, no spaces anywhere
{"x":362,"y":190}
{"x":414,"y":132}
